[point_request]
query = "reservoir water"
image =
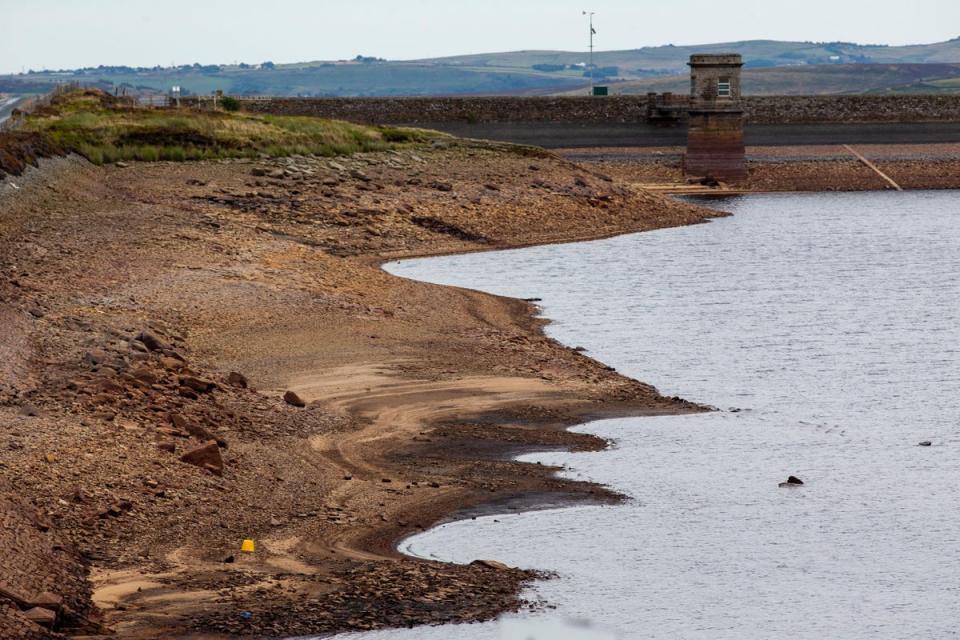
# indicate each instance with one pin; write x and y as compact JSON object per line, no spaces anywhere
{"x":831,"y":323}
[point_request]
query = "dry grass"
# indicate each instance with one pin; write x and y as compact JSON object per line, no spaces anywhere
{"x":104,"y":129}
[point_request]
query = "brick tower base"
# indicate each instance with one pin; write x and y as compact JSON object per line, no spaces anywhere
{"x":715,"y":145}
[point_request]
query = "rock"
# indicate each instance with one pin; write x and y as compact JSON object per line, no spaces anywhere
{"x":274,"y":522}
{"x":173,"y":432}
{"x":187,"y":392}
{"x":145,"y":375}
{"x":167,"y":446}
{"x":42,"y":617}
{"x":47,"y":600}
{"x":194,"y":429}
{"x":237,"y":380}
{"x":150,"y":341}
{"x":792,"y":481}
{"x":359,"y":175}
{"x":197,"y":384}
{"x":171,"y":364}
{"x":442,"y":186}
{"x":490,"y":564}
{"x":29,"y":410}
{"x":95,"y":357}
{"x":121,"y":165}
{"x":230,"y":559}
{"x":276,"y":174}
{"x":292,"y":398}
{"x":258,"y":171}
{"x":206,"y":457}
{"x":925,"y":443}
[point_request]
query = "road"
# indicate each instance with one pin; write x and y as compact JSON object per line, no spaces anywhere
{"x":8,"y":104}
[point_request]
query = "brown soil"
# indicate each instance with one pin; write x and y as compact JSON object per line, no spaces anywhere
{"x":129,"y":295}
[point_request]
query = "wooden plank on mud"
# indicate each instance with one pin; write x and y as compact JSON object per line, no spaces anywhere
{"x":872,"y":166}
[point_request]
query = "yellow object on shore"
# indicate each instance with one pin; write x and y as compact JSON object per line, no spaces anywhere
{"x":247,"y":546}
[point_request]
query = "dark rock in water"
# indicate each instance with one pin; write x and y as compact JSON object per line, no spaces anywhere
{"x":925,"y":443}
{"x":293,"y":399}
{"x":792,"y":481}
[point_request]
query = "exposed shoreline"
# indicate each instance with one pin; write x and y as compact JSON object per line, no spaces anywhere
{"x":415,"y":392}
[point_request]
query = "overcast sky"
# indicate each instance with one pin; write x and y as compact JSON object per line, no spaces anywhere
{"x":76,"y":33}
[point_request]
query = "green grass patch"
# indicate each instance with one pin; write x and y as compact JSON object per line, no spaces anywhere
{"x":104,"y":129}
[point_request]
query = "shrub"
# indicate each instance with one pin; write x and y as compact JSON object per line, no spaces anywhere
{"x":230,"y":103}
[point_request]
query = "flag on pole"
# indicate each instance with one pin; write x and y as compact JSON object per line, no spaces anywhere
{"x":593,"y":31}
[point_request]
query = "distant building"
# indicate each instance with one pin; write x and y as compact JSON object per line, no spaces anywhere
{"x":715,"y":129}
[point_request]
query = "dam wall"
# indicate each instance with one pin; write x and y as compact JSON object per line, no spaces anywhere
{"x":652,"y":120}
{"x":610,"y":110}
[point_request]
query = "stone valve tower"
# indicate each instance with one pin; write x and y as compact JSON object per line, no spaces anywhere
{"x":715,"y":130}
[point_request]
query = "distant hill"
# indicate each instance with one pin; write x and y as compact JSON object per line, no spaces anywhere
{"x":772,"y":67}
{"x":816,"y":79}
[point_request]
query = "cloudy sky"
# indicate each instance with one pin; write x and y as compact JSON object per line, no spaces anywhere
{"x":74,"y":33}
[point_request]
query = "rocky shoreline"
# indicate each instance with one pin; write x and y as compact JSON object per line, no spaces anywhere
{"x":156,"y":315}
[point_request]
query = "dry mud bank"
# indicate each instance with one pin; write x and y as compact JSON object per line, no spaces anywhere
{"x":154,"y":317}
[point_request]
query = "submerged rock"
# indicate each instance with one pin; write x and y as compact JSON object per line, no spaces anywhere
{"x":792,"y":481}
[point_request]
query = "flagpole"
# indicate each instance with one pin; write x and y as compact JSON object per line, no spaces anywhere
{"x":590,"y":66}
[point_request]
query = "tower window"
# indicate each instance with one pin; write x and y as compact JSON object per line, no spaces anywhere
{"x":723,"y":88}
